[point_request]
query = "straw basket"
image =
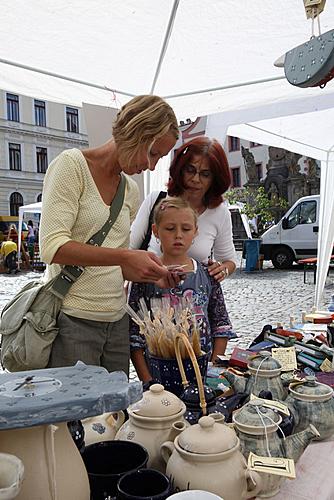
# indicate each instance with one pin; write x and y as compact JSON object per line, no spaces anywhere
{"x":167,"y":371}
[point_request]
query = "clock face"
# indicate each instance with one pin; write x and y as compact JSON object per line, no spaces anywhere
{"x":26,"y":387}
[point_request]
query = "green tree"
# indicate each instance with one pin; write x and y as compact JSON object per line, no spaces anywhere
{"x":257,"y":204}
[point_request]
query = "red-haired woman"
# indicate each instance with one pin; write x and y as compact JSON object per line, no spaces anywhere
{"x":199,"y":174}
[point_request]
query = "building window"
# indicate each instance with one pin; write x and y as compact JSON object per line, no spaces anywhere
{"x":259,"y":171}
{"x":236,"y":177}
{"x":233,"y":143}
{"x":41,"y":160}
{"x":254,"y":144}
{"x":13,"y":113}
{"x":39,"y":198}
{"x":40,"y":114}
{"x":16,"y":201}
{"x":72,"y":120}
{"x":15,"y":156}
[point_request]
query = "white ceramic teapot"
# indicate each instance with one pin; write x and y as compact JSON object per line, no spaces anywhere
{"x":102,"y":427}
{"x":156,"y":418}
{"x":206,"y":456}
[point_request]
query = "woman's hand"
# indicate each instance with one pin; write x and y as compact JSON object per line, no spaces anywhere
{"x":146,"y":267}
{"x":220,"y":270}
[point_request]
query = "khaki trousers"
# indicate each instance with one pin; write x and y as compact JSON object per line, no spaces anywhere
{"x":92,"y":342}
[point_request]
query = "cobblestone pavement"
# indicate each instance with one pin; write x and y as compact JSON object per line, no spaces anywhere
{"x":253,"y":299}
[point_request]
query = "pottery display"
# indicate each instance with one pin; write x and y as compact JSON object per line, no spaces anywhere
{"x":156,"y":418}
{"x":11,"y":476}
{"x":265,"y":375}
{"x":102,"y":427}
{"x":207,"y":456}
{"x":312,"y":403}
{"x":257,"y":427}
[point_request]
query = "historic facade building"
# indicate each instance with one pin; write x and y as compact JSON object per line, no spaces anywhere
{"x":32,"y":133}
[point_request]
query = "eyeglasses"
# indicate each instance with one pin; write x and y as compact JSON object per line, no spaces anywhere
{"x":192,"y":171}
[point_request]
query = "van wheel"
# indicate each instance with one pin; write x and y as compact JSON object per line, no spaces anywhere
{"x":282,"y":258}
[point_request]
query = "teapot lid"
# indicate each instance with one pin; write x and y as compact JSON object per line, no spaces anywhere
{"x":254,"y":418}
{"x":157,"y":403}
{"x":207,"y":437}
{"x":263,"y":361}
{"x":311,"y":390}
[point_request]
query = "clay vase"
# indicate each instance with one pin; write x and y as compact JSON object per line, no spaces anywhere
{"x":102,"y":427}
{"x":156,"y":418}
{"x":53,"y":465}
{"x":11,"y":476}
{"x":206,"y":456}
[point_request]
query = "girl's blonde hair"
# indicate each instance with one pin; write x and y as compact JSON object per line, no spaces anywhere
{"x":171,"y":202}
{"x":140,"y":122}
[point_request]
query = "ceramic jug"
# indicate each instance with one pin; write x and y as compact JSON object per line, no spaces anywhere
{"x":11,"y":476}
{"x":312,"y":403}
{"x":258,"y":428}
{"x":265,"y":375}
{"x":52,"y":461}
{"x":156,"y":418}
{"x":206,"y":456}
{"x":102,"y":427}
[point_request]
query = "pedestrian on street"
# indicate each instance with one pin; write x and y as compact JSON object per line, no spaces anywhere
{"x":175,"y":226}
{"x":199,"y":174}
{"x":9,"y":252}
{"x":78,"y":189}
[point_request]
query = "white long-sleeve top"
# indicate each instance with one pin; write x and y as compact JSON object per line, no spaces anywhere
{"x":214,"y":232}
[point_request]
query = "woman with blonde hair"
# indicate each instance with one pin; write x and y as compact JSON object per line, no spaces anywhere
{"x":79,"y":188}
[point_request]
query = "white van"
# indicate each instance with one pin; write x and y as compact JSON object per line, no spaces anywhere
{"x":295,"y":236}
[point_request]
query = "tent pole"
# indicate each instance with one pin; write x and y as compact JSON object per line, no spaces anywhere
{"x":165,"y":43}
{"x":225,"y":87}
{"x":62,"y":77}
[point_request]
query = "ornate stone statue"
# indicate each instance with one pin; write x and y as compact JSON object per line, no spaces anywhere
{"x":250,"y":165}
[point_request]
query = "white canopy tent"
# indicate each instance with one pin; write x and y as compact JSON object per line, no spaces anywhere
{"x":33,"y":208}
{"x":309,"y":134}
{"x":203,"y":57}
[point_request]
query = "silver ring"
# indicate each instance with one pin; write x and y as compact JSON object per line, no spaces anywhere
{"x":219,"y":263}
{"x":222,"y":273}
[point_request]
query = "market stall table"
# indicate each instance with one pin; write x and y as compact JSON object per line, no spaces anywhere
{"x":314,"y":474}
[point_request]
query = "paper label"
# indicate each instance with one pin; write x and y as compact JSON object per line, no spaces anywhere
{"x":326,"y":366}
{"x":272,"y":465}
{"x":286,"y":356}
{"x":274,"y":405}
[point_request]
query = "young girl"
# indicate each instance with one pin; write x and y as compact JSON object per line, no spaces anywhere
{"x":175,"y":227}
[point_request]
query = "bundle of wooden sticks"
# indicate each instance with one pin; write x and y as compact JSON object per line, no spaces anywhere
{"x":160,"y":322}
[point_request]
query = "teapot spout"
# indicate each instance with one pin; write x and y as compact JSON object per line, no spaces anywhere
{"x":296,"y":443}
{"x":238,"y":383}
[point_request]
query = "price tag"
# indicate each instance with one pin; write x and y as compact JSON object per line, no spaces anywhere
{"x":274,"y":405}
{"x":272,"y":465}
{"x":286,"y":356}
{"x":326,"y":366}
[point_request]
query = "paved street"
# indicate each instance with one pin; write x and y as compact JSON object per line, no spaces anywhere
{"x":253,"y":299}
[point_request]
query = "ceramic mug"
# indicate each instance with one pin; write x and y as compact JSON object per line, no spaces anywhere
{"x":148,"y":484}
{"x":194,"y":495}
{"x":107,"y":461}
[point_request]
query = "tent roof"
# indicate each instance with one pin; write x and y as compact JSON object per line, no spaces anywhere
{"x":32,"y":208}
{"x":200,"y":55}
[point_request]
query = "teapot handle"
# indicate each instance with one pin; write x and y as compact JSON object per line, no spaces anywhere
{"x":118,"y":418}
{"x":166,"y":450}
{"x":177,"y":339}
{"x":254,"y":483}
